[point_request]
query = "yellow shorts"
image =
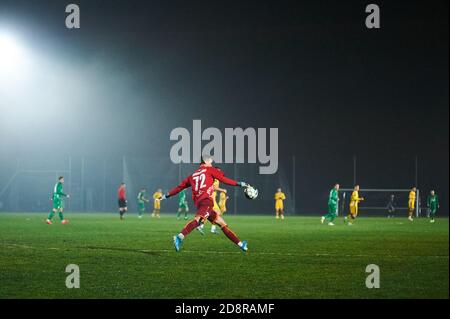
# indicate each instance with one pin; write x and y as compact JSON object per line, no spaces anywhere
{"x":411,"y":204}
{"x":157,"y":205}
{"x":353,"y":210}
{"x":279,"y":206}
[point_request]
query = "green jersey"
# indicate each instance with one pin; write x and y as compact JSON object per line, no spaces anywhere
{"x":58,"y":194}
{"x":182,"y":197}
{"x":432,"y":202}
{"x":333,"y":198}
{"x":58,"y":191}
{"x":141,"y":198}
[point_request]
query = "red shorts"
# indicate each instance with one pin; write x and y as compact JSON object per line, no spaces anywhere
{"x":205,"y":210}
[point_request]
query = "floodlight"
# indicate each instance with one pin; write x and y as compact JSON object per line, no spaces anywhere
{"x":11,"y":55}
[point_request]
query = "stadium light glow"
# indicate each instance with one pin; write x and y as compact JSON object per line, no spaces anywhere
{"x":12,"y":55}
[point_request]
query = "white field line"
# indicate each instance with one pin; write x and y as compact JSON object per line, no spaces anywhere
{"x":291,"y":254}
{"x":226,"y":252}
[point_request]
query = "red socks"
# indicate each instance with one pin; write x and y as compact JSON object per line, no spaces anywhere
{"x":189,"y":227}
{"x":194,"y":224}
{"x":232,"y":236}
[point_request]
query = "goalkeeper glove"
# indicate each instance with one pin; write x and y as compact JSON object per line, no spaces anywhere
{"x":164,"y":196}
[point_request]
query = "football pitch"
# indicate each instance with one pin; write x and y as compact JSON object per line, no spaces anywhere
{"x":294,"y":258}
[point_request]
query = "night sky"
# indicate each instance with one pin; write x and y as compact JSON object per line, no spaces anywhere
{"x":311,"y":68}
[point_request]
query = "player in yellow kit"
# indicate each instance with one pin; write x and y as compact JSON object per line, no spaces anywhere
{"x":279,"y":206}
{"x":354,"y":202}
{"x":411,"y":203}
{"x":223,"y":202}
{"x":157,"y":203}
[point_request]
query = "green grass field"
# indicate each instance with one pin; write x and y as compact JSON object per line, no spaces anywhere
{"x":294,"y":258}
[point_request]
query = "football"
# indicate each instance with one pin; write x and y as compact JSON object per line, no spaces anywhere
{"x":250,"y":192}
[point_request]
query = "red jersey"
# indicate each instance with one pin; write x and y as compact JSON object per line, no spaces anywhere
{"x":121,"y":193}
{"x":202,"y":183}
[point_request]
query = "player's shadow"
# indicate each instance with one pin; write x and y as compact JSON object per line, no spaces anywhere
{"x":147,"y":252}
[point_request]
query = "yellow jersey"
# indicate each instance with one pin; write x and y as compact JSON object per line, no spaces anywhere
{"x":156,"y":202}
{"x":214,"y":195}
{"x":223,"y":202}
{"x":279,"y":198}
{"x":355,"y":199}
{"x":222,"y":199}
{"x":412,"y":200}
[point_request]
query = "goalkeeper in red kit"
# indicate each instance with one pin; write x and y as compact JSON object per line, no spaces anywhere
{"x":202,"y":185}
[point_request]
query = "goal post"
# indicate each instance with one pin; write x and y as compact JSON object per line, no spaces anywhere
{"x":376,"y":199}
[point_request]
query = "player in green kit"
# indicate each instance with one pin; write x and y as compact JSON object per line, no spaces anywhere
{"x":182,"y":204}
{"x":58,"y":203}
{"x":333,"y":200}
{"x":433,"y":205}
{"x":141,"y":199}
